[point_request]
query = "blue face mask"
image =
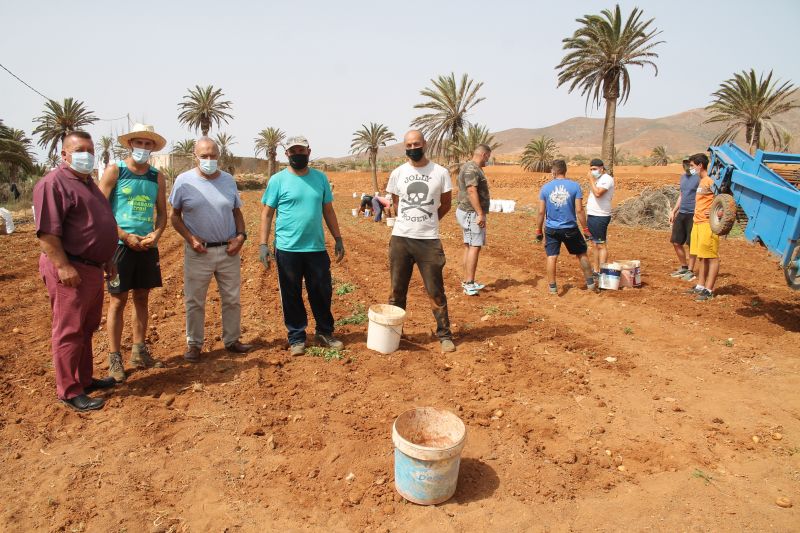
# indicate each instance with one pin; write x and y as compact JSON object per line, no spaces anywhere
{"x":208,"y":166}
{"x":596,"y":173}
{"x":140,"y":155}
{"x":692,"y":171}
{"x":82,"y":162}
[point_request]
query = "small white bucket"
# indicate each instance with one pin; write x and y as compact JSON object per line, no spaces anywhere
{"x":355,"y":195}
{"x":367,"y":213}
{"x":385,"y":327}
{"x":355,"y":212}
{"x":390,"y":222}
{"x":610,"y":276}
{"x":509,"y":205}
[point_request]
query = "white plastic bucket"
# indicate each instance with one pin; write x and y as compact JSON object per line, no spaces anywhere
{"x":355,"y":195}
{"x":385,"y":327}
{"x":390,"y":222}
{"x":631,"y":275}
{"x":355,"y":212}
{"x":610,"y":276}
{"x":427,"y":454}
{"x":509,"y":205}
{"x":367,"y":213}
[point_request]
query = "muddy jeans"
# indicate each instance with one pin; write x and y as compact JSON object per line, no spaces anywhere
{"x":429,"y":257}
{"x":197,"y":271}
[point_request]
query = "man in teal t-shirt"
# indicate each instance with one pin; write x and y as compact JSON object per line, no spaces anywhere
{"x":137,"y":194}
{"x":302,"y":198}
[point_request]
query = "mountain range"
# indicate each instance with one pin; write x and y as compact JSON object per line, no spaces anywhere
{"x":681,"y":134}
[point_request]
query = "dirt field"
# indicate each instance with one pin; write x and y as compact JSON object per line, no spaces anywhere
{"x":695,"y":426}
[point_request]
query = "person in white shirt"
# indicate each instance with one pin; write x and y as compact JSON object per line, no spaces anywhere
{"x":421,"y":192}
{"x":598,"y":209}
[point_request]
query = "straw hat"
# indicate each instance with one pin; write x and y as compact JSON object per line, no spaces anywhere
{"x":142,"y":131}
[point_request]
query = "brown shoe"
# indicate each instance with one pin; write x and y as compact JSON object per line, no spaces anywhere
{"x":141,"y":357}
{"x":192,"y":354}
{"x":116,"y":369}
{"x":238,"y":347}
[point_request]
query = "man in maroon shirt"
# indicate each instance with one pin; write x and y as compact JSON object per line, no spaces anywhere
{"x":78,"y":235}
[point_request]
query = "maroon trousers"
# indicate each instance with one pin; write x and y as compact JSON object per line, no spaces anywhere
{"x":76,"y":315}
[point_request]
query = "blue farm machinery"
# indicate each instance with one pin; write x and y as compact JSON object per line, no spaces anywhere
{"x":762,"y":192}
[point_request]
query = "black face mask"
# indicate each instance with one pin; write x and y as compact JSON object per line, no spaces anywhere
{"x":415,"y":154}
{"x":298,"y":161}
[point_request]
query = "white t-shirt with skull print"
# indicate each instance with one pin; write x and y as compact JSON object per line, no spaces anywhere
{"x":419,"y":190}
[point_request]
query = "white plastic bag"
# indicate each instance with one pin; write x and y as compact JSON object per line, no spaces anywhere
{"x":9,"y":220}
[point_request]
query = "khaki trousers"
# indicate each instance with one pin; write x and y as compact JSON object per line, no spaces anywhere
{"x":197,"y":272}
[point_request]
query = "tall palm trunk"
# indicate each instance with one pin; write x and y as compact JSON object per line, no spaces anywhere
{"x":609,"y":129}
{"x":373,"y":162}
{"x":205,"y":125}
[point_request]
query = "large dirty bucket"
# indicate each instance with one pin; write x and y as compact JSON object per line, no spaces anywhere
{"x":427,"y":454}
{"x":631,"y":275}
{"x":385,"y":327}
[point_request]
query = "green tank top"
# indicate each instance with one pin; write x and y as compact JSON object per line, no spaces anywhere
{"x":133,"y":200}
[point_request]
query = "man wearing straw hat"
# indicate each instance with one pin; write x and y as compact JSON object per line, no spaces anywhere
{"x":136,"y":191}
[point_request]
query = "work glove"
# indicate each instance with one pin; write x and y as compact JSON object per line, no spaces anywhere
{"x":264,"y":255}
{"x":339,"y":249}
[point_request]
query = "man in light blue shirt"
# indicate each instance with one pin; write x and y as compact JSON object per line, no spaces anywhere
{"x":206,"y":212}
{"x":560,"y":206}
{"x":299,"y":198}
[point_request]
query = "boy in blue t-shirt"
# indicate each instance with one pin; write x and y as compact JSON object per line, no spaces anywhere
{"x":560,"y":205}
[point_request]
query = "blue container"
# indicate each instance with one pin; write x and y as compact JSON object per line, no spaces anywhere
{"x":428,"y":444}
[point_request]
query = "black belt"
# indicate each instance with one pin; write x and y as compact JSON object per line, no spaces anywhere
{"x":79,"y":259}
{"x":214,"y":244}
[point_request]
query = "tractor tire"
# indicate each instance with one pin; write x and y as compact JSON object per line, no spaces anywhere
{"x":723,"y":214}
{"x":791,"y":272}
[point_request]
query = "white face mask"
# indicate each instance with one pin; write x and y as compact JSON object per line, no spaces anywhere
{"x":140,"y":155}
{"x":693,"y":171}
{"x":82,"y":162}
{"x":596,"y":173}
{"x":208,"y":166}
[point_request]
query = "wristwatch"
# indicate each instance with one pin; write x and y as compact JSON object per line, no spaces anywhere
{"x":242,"y":233}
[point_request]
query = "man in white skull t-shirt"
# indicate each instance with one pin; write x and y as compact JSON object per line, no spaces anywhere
{"x":422,"y":192}
{"x":419,"y":190}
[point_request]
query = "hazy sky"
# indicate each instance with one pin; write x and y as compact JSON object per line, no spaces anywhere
{"x":322,"y":68}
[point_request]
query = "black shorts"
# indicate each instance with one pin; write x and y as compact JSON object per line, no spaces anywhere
{"x":571,"y":237}
{"x":682,"y":228}
{"x":136,"y":270}
{"x":598,"y":227}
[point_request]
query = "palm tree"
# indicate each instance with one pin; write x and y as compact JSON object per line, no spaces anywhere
{"x":224,"y":142}
{"x":267,"y":142}
{"x":618,"y":156}
{"x":52,"y":161}
{"x":202,"y":107}
{"x":184,"y":149}
{"x":368,"y":140}
{"x":785,"y":142}
{"x":106,"y":147}
{"x":464,"y":145}
{"x":449,"y":103}
{"x":659,"y":156}
{"x":15,"y":151}
{"x":119,"y":151}
{"x":600,"y":51}
{"x":539,"y":154}
{"x":59,"y":119}
{"x":744,"y":102}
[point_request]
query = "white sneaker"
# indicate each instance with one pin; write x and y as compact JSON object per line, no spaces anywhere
{"x":469,"y":290}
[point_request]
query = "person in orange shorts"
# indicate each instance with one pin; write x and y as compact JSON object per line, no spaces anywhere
{"x":704,"y":242}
